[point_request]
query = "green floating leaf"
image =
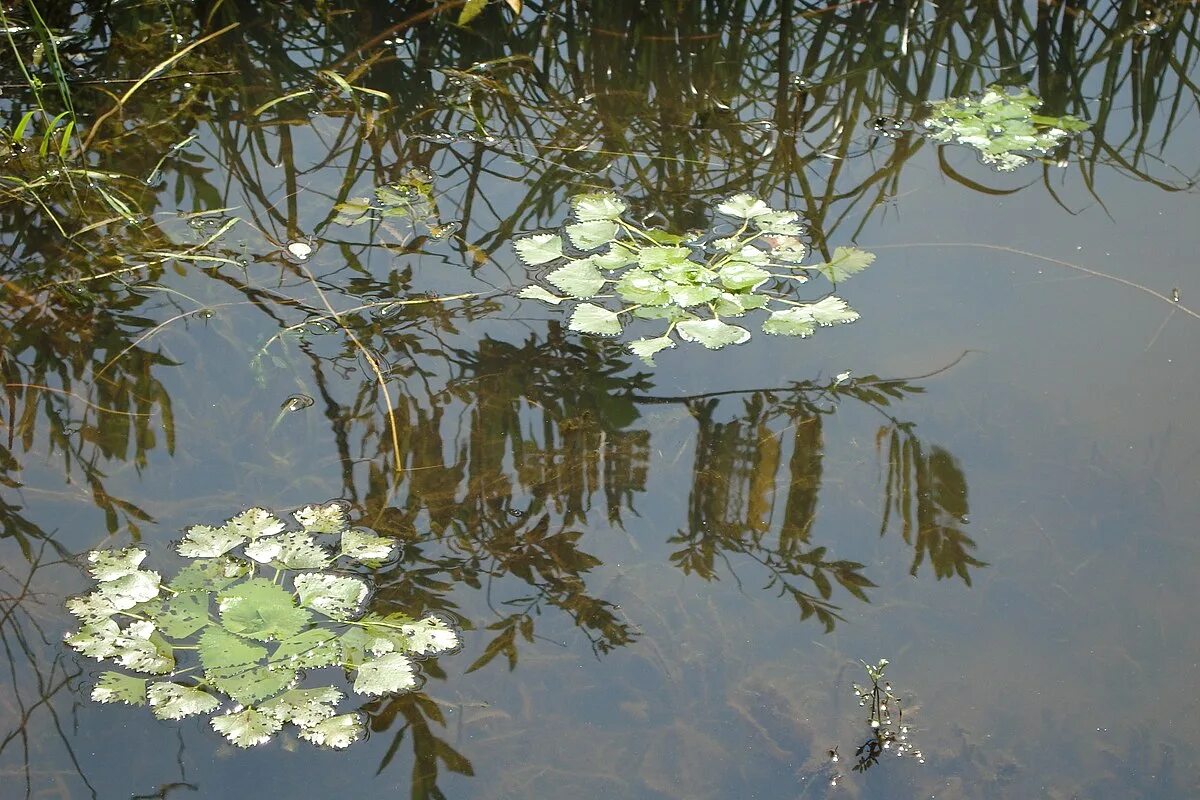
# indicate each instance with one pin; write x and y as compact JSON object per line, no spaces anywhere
{"x":598,"y":206}
{"x":142,"y":649}
{"x":92,"y":607}
{"x":830,"y":310}
{"x":592,"y":234}
{"x":290,"y":550}
{"x":334,"y":596}
{"x":656,"y":257}
{"x":646,"y":348}
{"x":579,"y":278}
{"x":589,"y":318}
{"x":303,"y":707}
{"x":108,"y":565}
{"x":176,"y":701}
{"x":792,"y":322}
{"x":669,"y":313}
{"x":538,"y":249}
{"x":779,"y":222}
{"x":712,"y":333}
{"x":254,"y":523}
{"x":643,"y":288}
{"x":184,"y":614}
{"x":686,"y":295}
{"x":329,"y":518}
{"x":258,"y":609}
{"x":210,"y":574}
{"x":308,"y":650}
{"x":617,"y":256}
{"x":116,"y":687}
{"x":354,"y":211}
{"x":362,"y":545}
{"x":538,"y":293}
{"x":430,"y":636}
{"x":740,"y":275}
{"x":204,"y":541}
{"x":96,"y":639}
{"x":735,"y":304}
{"x":846,"y":261}
{"x":337,"y":732}
{"x":129,"y":590}
{"x":744,"y":206}
{"x":247,"y":728}
{"x":387,"y":674}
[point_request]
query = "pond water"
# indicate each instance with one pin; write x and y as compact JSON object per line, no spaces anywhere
{"x":666,"y":577}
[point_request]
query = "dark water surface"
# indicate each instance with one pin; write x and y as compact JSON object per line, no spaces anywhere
{"x":665,"y":576}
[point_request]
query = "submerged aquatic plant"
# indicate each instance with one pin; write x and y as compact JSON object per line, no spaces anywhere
{"x":885,"y":720}
{"x":1000,"y":126}
{"x":252,"y":634}
{"x":691,"y":285}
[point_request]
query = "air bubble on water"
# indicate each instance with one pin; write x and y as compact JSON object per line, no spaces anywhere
{"x":801,"y":82}
{"x":887,"y":127}
{"x":317,"y":325}
{"x":299,"y":250}
{"x":296,"y":402}
{"x":187,"y":85}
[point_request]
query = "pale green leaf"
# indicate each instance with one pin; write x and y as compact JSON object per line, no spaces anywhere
{"x":712,"y":333}
{"x":210,"y":574}
{"x":792,"y":322}
{"x":592,"y":234}
{"x":96,"y":639}
{"x":740,"y":275}
{"x":290,"y":550}
{"x":329,"y":518}
{"x":617,"y":256}
{"x":108,"y":565}
{"x":184,"y":614}
{"x":354,"y":211}
{"x":687,"y":272}
{"x":390,"y":673}
{"x":308,"y":650}
{"x":728,"y":244}
{"x":92,"y":607}
{"x":303,"y":707}
{"x":129,"y":590}
{"x":430,"y":636}
{"x":221,"y":650}
{"x":588,"y":318}
{"x":538,"y":293}
{"x":254,"y":523}
{"x":790,"y":250}
{"x":659,"y":256}
{"x":117,"y":687}
{"x":362,"y":545}
{"x":176,"y":701}
{"x":579,"y":278}
{"x":204,"y":541}
{"x":751,"y":255}
{"x":669,"y":313}
{"x":686,"y":295}
{"x":336,"y":596}
{"x":354,"y":644}
{"x":470,"y":10}
{"x":260,"y":610}
{"x":597,"y":206}
{"x":337,"y":732}
{"x":646,"y":348}
{"x":744,"y":206}
{"x":779,"y":222}
{"x":639,"y":287}
{"x":846,"y":261}
{"x":237,"y":667}
{"x":665,"y":238}
{"x":141,"y":648}
{"x":830,"y":310}
{"x":539,"y":248}
{"x":246,"y":728}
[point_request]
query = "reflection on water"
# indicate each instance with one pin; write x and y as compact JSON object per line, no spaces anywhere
{"x":622,"y":547}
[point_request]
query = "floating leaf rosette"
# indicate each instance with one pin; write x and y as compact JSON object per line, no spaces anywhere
{"x":231,"y":634}
{"x":691,"y":286}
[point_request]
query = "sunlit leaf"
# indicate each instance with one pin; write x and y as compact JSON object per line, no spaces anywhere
{"x":176,"y":701}
{"x":669,"y":313}
{"x":290,"y":550}
{"x":792,"y":322}
{"x":658,"y":256}
{"x":597,"y":206}
{"x":830,"y":310}
{"x":617,"y":256}
{"x":646,"y":348}
{"x":686,"y":295}
{"x":141,"y":648}
{"x":308,"y":650}
{"x":246,"y":728}
{"x":337,"y":732}
{"x":96,"y":639}
{"x":303,"y":707}
{"x":728,"y":244}
{"x":735,"y":304}
{"x":642,"y":288}
{"x":740,"y":275}
{"x":470,"y":10}
{"x":108,"y":565}
{"x":390,"y":673}
{"x":129,"y":590}
{"x":712,"y":333}
{"x":254,"y":523}
{"x":362,"y":545}
{"x":539,"y":248}
{"x":579,"y":278}
{"x":744,"y":206}
{"x":204,"y":541}
{"x":184,"y":614}
{"x":589,"y":318}
{"x":117,"y":687}
{"x":260,"y":610}
{"x":335,"y":596}
{"x":92,"y":607}
{"x":592,"y":234}
{"x":430,"y":636}
{"x":515,"y":5}
{"x":779,"y":222}
{"x":329,"y":518}
{"x":210,"y":574}
{"x":846,"y":261}
{"x":538,"y":293}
